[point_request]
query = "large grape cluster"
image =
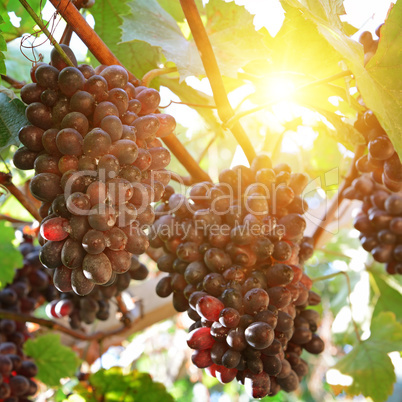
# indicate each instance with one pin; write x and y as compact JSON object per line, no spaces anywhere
{"x":231,"y":254}
{"x":379,"y":221}
{"x":382,"y":162}
{"x":98,"y":166}
{"x":21,"y":296}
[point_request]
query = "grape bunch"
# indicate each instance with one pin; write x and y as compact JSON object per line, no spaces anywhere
{"x":95,"y":305}
{"x":21,"y":296}
{"x":99,"y":164}
{"x":231,"y":254}
{"x":379,"y":222}
{"x":381,"y":161}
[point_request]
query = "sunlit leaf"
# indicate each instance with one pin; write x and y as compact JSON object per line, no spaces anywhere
{"x":369,"y":364}
{"x":54,"y":360}
{"x":230,"y":37}
{"x":113,"y":385}
{"x":10,"y":257}
{"x":26,"y":22}
{"x":12,"y":118}
{"x":379,"y":82}
{"x":138,"y":57}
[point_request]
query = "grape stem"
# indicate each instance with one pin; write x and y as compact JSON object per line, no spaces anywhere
{"x":185,"y":158}
{"x":157,"y":72}
{"x":14,"y":83}
{"x":5,"y":181}
{"x":43,"y":28}
{"x":337,"y":200}
{"x":234,"y":120}
{"x":346,"y":275}
{"x":67,"y":34}
{"x":94,"y":43}
{"x":20,"y":317}
{"x":188,"y":104}
{"x":225,"y":110}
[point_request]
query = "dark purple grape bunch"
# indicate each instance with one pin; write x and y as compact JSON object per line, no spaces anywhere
{"x":96,"y":305}
{"x":21,"y":296}
{"x":231,"y":254}
{"x":379,"y":222}
{"x":99,"y":164}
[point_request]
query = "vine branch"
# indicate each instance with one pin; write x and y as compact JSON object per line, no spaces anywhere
{"x":345,"y":274}
{"x":43,"y":28}
{"x":20,"y":317}
{"x":211,"y":67}
{"x":5,"y":180}
{"x":150,"y":75}
{"x":94,"y":43}
{"x":337,"y":200}
{"x":14,"y":83}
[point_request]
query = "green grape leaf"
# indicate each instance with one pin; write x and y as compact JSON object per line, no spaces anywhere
{"x":26,"y":23}
{"x":344,"y":133}
{"x":54,"y":360}
{"x":113,"y":385}
{"x":3,"y":48}
{"x":315,"y":58}
{"x":10,"y":257}
{"x":173,"y":7}
{"x":349,"y":29}
{"x":368,"y":363}
{"x":138,"y":57}
{"x":390,"y":294}
{"x":12,"y":118}
{"x":379,"y":82}
{"x":151,"y":23}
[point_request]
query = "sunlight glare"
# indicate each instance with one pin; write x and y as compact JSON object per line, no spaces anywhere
{"x":14,"y":19}
{"x":335,"y":377}
{"x":279,"y":88}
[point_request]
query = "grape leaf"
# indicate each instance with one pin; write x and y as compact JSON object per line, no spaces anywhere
{"x":12,"y":118}
{"x":138,"y":57}
{"x":3,"y":48}
{"x":344,"y":133}
{"x":25,"y":24}
{"x":379,"y":82}
{"x":390,"y":298}
{"x":112,"y":385}
{"x":368,"y":363}
{"x":149,"y":22}
{"x":10,"y":257}
{"x":54,"y":360}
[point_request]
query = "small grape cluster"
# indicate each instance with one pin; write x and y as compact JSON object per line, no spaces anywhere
{"x":382,"y":162}
{"x":95,"y":305}
{"x":98,"y":167}
{"x":21,"y":296}
{"x":231,"y":252}
{"x":379,"y":222}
